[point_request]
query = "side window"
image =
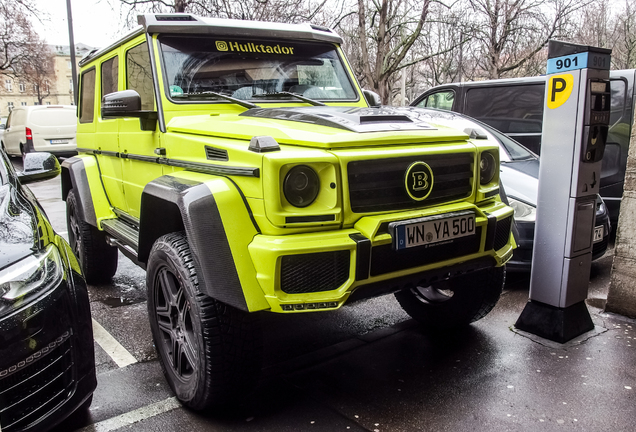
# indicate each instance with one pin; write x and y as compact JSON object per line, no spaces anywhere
{"x":110,"y":70}
{"x":441,"y":100}
{"x":516,"y":108}
{"x":139,"y":75}
{"x":87,"y":97}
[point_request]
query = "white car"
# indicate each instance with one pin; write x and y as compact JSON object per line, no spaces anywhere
{"x":42,"y":128}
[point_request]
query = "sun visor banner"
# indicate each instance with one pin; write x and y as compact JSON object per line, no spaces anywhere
{"x":254,"y":47}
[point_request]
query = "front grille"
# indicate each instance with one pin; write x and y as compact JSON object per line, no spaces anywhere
{"x":33,"y":387}
{"x":385,"y":259}
{"x":502,"y":232}
{"x":378,"y":185}
{"x":599,"y":248}
{"x":315,"y":272}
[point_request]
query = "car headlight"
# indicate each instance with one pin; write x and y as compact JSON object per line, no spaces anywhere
{"x":524,"y":212}
{"x":487,"y":168}
{"x":600,"y":206}
{"x":37,"y":272}
{"x":301,"y":186}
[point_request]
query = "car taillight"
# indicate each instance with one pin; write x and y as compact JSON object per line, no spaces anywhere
{"x":29,"y":134}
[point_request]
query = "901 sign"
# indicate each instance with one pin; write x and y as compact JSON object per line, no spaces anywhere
{"x":567,"y":63}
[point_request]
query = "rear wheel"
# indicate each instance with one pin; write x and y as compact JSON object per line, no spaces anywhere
{"x":456,"y":302}
{"x":97,"y":258}
{"x":210,"y":352}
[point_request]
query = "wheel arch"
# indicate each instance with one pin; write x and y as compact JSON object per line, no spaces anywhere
{"x":74,"y":176}
{"x":196,"y":204}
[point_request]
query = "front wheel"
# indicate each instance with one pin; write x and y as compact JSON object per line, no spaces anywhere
{"x":456,"y":302}
{"x":210,"y":352}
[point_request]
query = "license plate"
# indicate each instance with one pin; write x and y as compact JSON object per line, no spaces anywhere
{"x":432,"y":230}
{"x":59,"y":141}
{"x":598,"y":233}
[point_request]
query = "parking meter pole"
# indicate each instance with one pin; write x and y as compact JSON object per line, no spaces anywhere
{"x":575,"y":124}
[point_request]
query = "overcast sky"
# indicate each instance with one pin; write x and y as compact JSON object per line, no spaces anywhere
{"x":95,"y":23}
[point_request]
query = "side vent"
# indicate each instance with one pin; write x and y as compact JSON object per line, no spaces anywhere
{"x":216,"y":154}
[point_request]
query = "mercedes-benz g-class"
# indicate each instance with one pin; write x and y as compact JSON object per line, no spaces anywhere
{"x":242,"y":166}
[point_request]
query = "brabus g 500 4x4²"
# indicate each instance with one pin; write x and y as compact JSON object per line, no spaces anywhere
{"x":240,"y":164}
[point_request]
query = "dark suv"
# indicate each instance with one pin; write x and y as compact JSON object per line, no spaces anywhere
{"x":515,"y":107}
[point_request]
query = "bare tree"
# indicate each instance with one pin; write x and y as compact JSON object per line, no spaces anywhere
{"x":624,"y":37}
{"x":386,"y":31}
{"x":16,"y":34}
{"x":511,"y":32}
{"x":39,"y":71}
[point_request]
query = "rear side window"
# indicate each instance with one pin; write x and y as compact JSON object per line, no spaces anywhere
{"x":139,"y":75}
{"x":110,"y":70}
{"x":441,"y":100}
{"x":87,"y":96}
{"x":508,"y":108}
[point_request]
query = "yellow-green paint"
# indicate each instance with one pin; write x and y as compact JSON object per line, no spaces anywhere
{"x":101,"y":205}
{"x":239,"y":231}
{"x":257,"y":256}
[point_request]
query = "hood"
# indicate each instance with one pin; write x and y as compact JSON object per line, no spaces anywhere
{"x":521,"y":180}
{"x":322,"y":127}
{"x":18,"y":235}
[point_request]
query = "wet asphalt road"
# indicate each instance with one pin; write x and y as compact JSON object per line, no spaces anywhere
{"x":369,"y":367}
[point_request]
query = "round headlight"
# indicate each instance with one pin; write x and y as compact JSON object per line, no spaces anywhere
{"x":301,"y":186}
{"x":487,"y":168}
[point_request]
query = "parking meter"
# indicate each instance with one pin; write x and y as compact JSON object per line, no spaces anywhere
{"x":575,"y":125}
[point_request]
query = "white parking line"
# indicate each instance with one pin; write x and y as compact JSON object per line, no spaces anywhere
{"x":118,"y":353}
{"x":132,"y":417}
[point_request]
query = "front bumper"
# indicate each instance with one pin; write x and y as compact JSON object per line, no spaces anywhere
{"x":47,"y":362}
{"x":319,"y":271}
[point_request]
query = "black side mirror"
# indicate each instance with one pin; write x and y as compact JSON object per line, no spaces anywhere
{"x":127,"y":103}
{"x":2,"y":126}
{"x":373,"y":99}
{"x":39,"y":167}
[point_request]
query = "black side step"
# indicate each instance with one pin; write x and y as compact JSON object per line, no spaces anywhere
{"x":125,"y":236}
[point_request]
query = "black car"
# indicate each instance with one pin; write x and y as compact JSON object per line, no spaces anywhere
{"x":47,"y":359}
{"x":520,"y":184}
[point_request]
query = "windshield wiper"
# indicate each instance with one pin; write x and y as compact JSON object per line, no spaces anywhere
{"x":240,"y":102}
{"x":297,"y":96}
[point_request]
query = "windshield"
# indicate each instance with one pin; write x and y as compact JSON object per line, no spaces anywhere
{"x":257,"y":70}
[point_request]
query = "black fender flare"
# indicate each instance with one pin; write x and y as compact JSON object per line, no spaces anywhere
{"x":170,"y":204}
{"x":74,"y":176}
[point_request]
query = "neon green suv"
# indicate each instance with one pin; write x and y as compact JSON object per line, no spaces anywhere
{"x":242,"y":166}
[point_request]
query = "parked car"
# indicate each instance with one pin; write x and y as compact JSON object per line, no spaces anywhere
{"x":515,"y":107}
{"x":280,"y":189}
{"x":3,"y":126}
{"x":47,"y":362}
{"x":42,"y":128}
{"x":520,"y":180}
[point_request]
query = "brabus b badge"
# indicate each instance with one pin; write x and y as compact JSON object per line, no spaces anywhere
{"x":418,"y":180}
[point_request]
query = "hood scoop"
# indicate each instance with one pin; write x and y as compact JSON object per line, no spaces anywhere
{"x":382,"y":119}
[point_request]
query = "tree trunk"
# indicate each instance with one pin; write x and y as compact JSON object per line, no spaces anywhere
{"x":622,"y":291}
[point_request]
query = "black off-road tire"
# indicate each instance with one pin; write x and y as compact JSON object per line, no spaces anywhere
{"x":454,"y":303}
{"x":210,"y":352}
{"x":97,"y":258}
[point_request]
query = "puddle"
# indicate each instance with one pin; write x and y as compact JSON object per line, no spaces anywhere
{"x":114,"y":302}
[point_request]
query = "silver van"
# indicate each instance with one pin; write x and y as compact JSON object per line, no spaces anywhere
{"x":42,"y":128}
{"x":515,"y":107}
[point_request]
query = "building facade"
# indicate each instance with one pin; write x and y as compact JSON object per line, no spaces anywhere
{"x":16,"y":92}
